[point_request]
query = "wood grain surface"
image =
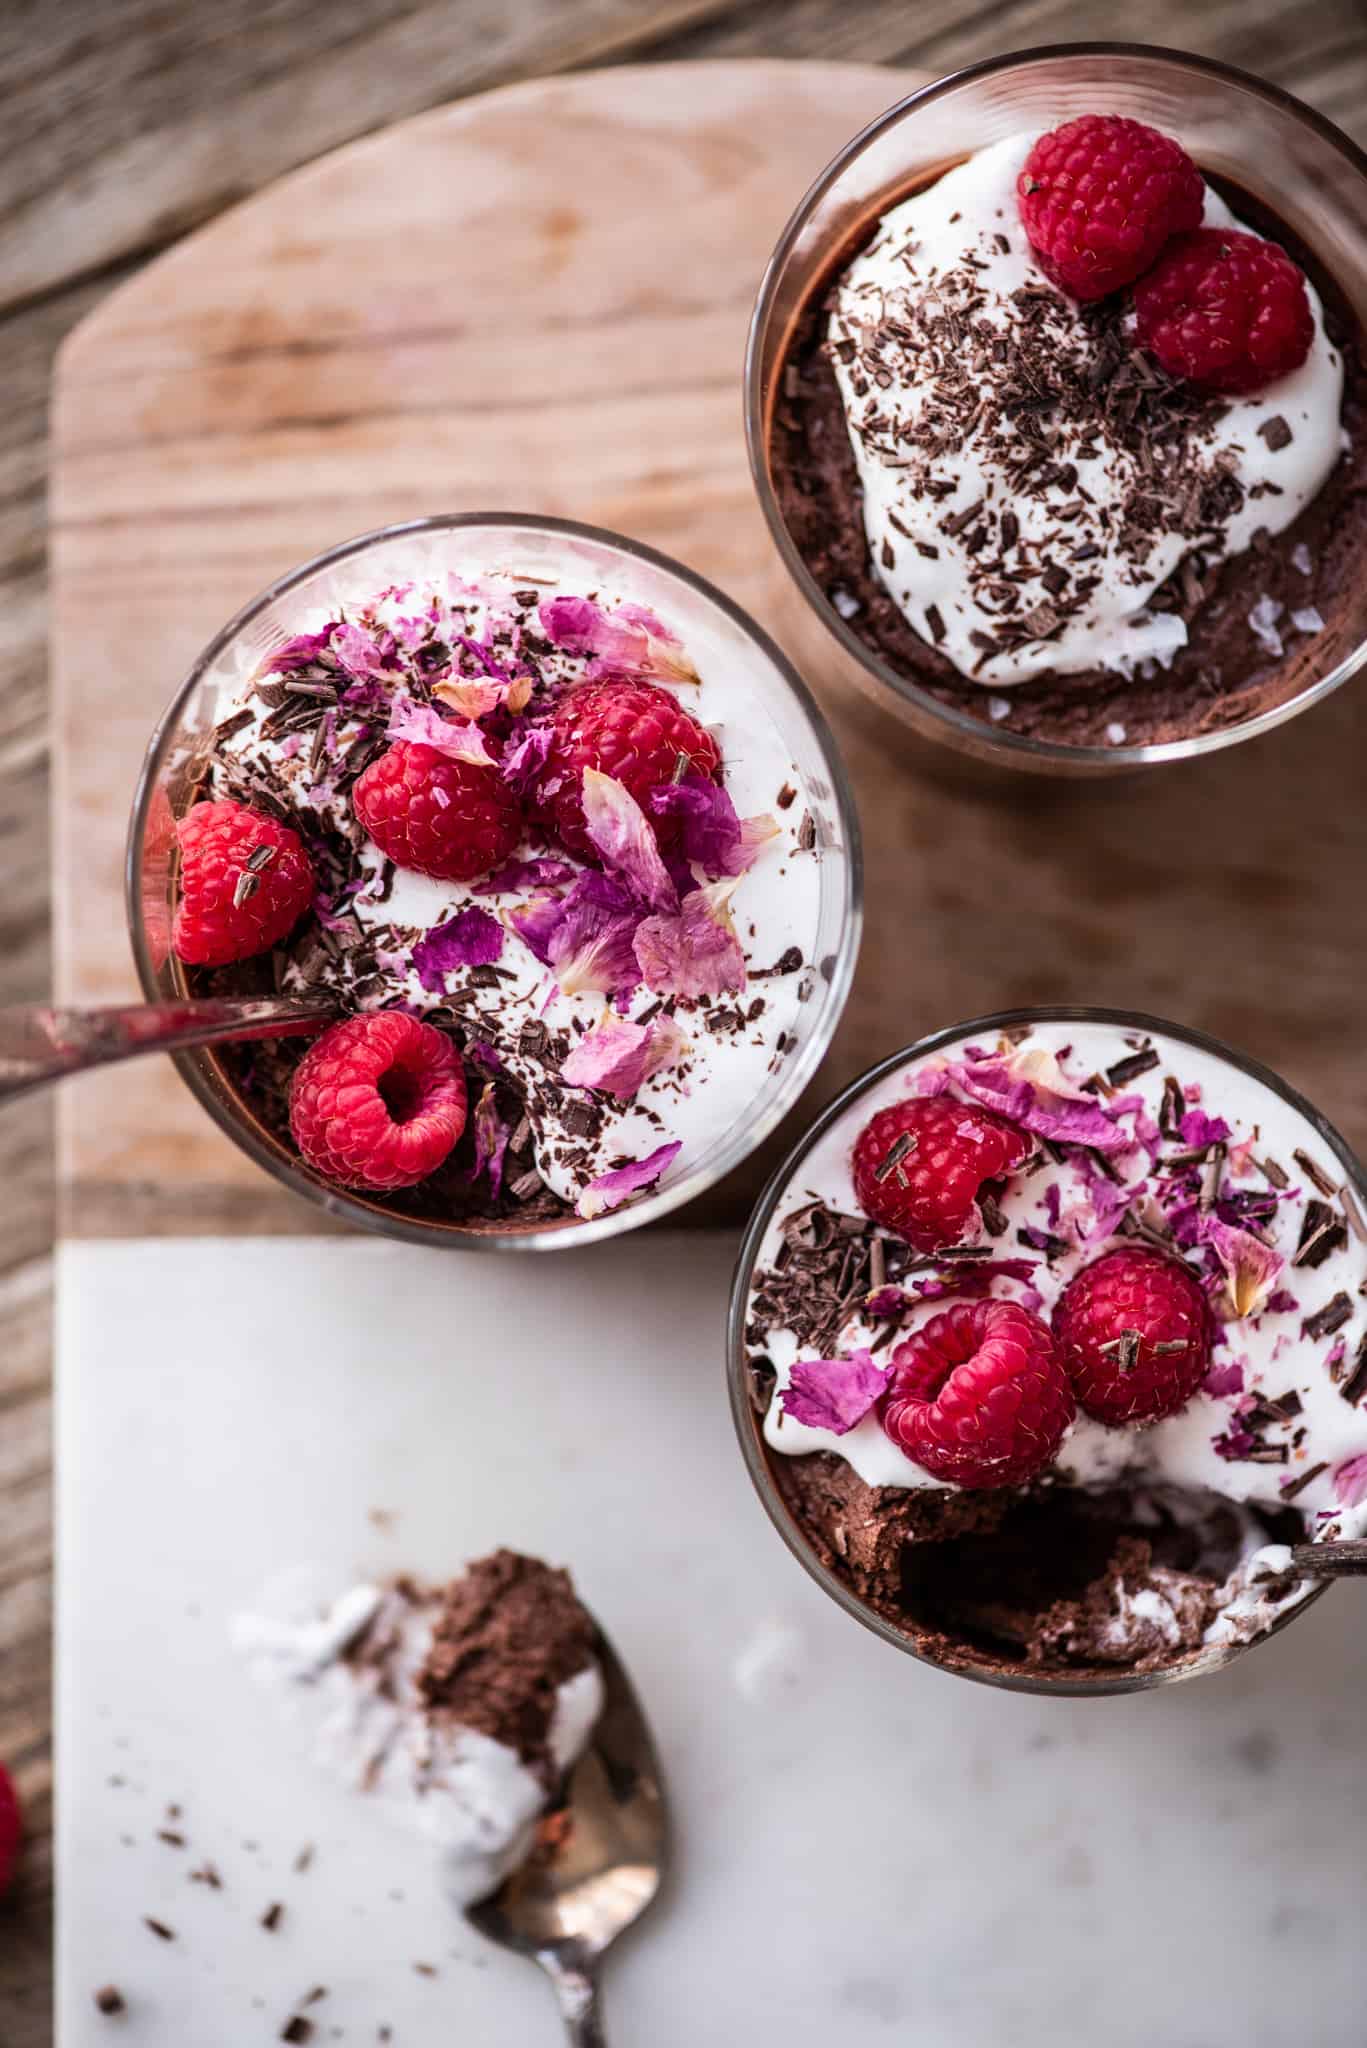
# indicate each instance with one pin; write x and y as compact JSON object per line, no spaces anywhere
{"x":128,"y":122}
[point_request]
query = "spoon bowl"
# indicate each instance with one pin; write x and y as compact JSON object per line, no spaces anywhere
{"x":597,"y":1863}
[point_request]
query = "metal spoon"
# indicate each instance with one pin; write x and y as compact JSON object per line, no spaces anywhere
{"x":39,"y":1044}
{"x":1330,"y":1560}
{"x":597,"y":1864}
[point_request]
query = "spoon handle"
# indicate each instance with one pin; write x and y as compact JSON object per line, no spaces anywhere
{"x":1330,"y":1560}
{"x":40,"y":1044}
{"x":576,"y":1988}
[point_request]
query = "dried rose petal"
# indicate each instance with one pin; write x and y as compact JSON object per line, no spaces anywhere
{"x":477,"y":696}
{"x":452,"y":736}
{"x":586,"y":936}
{"x":625,"y":839}
{"x":1350,"y":1481}
{"x":711,"y":835}
{"x":540,"y":873}
{"x":617,"y":1056}
{"x":834,"y":1393}
{"x":1021,"y":1088}
{"x":469,"y":939}
{"x":629,"y":642}
{"x":491,"y":1140}
{"x":694,"y":951}
{"x":610,"y":1190}
{"x":1251,"y":1267}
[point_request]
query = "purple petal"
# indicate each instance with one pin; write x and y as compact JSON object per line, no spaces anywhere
{"x":1225,"y":1379}
{"x":491,"y":1140}
{"x":710,"y":832}
{"x":629,"y":641}
{"x":470,"y":939}
{"x":610,"y":1190}
{"x":541,"y":873}
{"x":302,"y":650}
{"x":626,"y":840}
{"x":1197,"y":1128}
{"x":363,"y":656}
{"x":834,"y":1393}
{"x":1067,"y":1121}
{"x":524,"y":757}
{"x":694,"y":952}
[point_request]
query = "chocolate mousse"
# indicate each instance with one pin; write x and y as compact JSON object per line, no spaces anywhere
{"x":1005,"y":494}
{"x":555,"y":870}
{"x":1065,"y":1420}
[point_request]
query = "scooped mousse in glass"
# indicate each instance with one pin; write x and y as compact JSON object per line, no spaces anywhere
{"x":1049,"y":1342}
{"x":1071,"y":436}
{"x":563,"y":839}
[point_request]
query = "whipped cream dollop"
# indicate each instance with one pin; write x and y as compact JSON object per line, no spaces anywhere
{"x":348,"y":1666}
{"x":1219,"y":1170}
{"x":1029,"y":478}
{"x":474,"y":619}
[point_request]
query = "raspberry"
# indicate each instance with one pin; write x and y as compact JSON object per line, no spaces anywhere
{"x":636,"y":732}
{"x":437,"y":815}
{"x":978,"y":1395}
{"x":1227,"y":311}
{"x":1133,"y":1330}
{"x":925,"y":1188}
{"x":378,"y":1101}
{"x":245,"y":881}
{"x":11,"y":1830}
{"x":1100,"y":196}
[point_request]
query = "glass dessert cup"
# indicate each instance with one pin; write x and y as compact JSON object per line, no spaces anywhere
{"x":798,"y":1176}
{"x":571,"y":557}
{"x":1280,"y":154}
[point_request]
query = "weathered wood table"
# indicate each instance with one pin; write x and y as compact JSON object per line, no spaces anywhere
{"x":128,"y":125}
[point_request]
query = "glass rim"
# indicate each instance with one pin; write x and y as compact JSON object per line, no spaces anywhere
{"x":568,"y":1235}
{"x":746,"y":1421}
{"x":1019,"y":749}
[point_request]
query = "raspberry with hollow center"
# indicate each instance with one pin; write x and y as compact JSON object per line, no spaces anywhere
{"x":437,"y":815}
{"x":918,"y":1167}
{"x":978,"y":1396}
{"x":11,"y":1830}
{"x":245,"y":881}
{"x":1100,"y":196}
{"x":1227,"y":311}
{"x":1134,"y":1331}
{"x":378,"y":1101}
{"x":639,"y":733}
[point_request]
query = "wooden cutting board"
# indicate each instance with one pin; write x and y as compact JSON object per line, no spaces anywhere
{"x":537,"y":300}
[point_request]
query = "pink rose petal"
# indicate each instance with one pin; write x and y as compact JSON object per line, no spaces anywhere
{"x":1251,"y":1267}
{"x":628,"y":642}
{"x":477,"y":696}
{"x":625,"y":839}
{"x":610,"y":1190}
{"x":834,"y":1393}
{"x":1350,"y":1481}
{"x":419,"y":723}
{"x":694,"y":951}
{"x":617,"y":1056}
{"x":491,"y":1139}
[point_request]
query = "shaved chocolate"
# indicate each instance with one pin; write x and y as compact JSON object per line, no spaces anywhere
{"x":272,"y":1916}
{"x":1315,"y":1174}
{"x":1276,"y":432}
{"x":1291,"y":1487}
{"x":110,"y":2000}
{"x":159,"y":1928}
{"x":1127,"y":1070}
{"x":1331,"y":1317}
{"x":1355,"y":1386}
{"x":1323,"y":1232}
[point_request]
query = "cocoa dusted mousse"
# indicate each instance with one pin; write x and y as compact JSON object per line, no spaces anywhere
{"x":1057,"y":1343}
{"x":1102,"y":492}
{"x":455,"y":1709}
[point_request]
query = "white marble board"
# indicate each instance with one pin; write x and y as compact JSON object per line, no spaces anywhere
{"x":867,"y":1852}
